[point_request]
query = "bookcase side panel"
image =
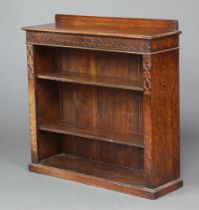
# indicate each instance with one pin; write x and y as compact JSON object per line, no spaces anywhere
{"x":161,"y":118}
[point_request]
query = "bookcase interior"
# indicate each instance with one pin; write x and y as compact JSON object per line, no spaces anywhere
{"x":90,"y":111}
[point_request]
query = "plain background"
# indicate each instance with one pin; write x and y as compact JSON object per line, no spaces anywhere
{"x":21,"y":190}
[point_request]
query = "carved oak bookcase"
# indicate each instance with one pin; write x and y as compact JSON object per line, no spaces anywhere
{"x":104,"y":102}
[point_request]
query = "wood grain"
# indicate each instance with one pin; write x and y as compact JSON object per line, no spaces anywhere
{"x":86,"y":79}
{"x":115,"y":22}
{"x":138,"y":190}
{"x":32,"y":103}
{"x":100,"y":134}
{"x":88,"y":42}
{"x":162,"y":121}
{"x":137,"y":28}
{"x":101,"y":151}
{"x":101,"y":64}
{"x":105,"y":108}
{"x":115,"y":70}
{"x":95,"y":169}
{"x":104,"y":102}
{"x":49,"y":144}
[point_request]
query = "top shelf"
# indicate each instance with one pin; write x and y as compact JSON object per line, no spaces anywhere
{"x":108,"y":26}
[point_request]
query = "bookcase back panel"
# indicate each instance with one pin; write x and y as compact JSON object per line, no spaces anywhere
{"x":46,"y":59}
{"x":48,"y":101}
{"x":98,"y":63}
{"x":49,"y":144}
{"x":91,"y":106}
{"x":122,"y":155}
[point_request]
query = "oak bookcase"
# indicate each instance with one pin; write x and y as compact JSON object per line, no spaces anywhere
{"x":104,"y":102}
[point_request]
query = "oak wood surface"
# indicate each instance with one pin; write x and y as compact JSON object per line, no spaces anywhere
{"x":49,"y":145}
{"x":161,"y":124}
{"x":105,"y":108}
{"x":102,"y":151}
{"x":101,"y":134}
{"x":106,"y":69}
{"x":97,"y":43}
{"x":32,"y":102}
{"x":86,"y":79}
{"x":108,"y":184}
{"x":96,"y":169}
{"x":104,"y":102}
{"x":94,"y":21}
{"x":105,"y":64}
{"x":114,"y":27}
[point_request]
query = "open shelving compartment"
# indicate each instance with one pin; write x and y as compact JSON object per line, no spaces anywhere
{"x":104,"y":102}
{"x":90,"y":113}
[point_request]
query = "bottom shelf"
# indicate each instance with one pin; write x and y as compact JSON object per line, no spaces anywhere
{"x":96,"y":169}
{"x":103,"y":175}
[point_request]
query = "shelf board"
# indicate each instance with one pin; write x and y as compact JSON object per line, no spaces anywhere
{"x":96,"y":169}
{"x":73,"y":77}
{"x":131,"y":139}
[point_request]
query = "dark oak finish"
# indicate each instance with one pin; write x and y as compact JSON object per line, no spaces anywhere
{"x":101,"y":134}
{"x":106,"y":183}
{"x":32,"y":103}
{"x":104,"y":102}
{"x":86,"y":79}
{"x":162,"y":109}
{"x":101,"y":151}
{"x":96,"y":169}
{"x":108,"y":26}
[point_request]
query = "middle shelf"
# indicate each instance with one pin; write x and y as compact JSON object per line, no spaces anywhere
{"x":101,"y":134}
{"x":81,"y":78}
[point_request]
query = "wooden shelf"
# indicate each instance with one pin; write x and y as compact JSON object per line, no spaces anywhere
{"x":96,"y":133}
{"x":73,"y":77}
{"x":96,"y":169}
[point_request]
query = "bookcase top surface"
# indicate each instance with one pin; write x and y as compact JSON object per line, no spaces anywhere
{"x":109,"y":26}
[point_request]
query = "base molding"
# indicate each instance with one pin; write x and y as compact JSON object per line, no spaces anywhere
{"x":108,"y":184}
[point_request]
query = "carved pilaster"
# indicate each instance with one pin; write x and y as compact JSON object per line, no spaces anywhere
{"x":32,"y":102}
{"x":147,"y":74}
{"x":30,"y":61}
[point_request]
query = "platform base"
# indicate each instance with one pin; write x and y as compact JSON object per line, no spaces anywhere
{"x":108,"y":184}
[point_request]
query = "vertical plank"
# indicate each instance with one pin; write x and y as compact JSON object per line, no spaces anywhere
{"x":32,"y":103}
{"x":161,"y":120}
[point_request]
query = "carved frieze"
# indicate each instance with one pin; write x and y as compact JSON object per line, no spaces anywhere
{"x":88,"y":41}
